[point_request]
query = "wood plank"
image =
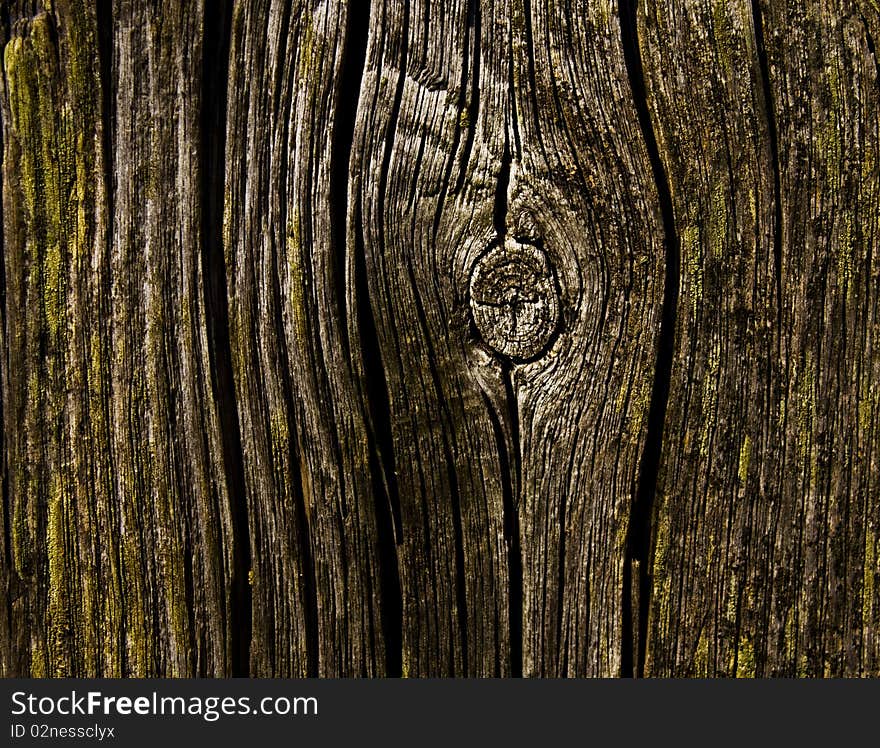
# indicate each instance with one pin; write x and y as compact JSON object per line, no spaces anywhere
{"x":167,"y":445}
{"x":322,"y":601}
{"x":54,"y":228}
{"x":583,"y":185}
{"x":492,"y":134}
{"x":412,"y":144}
{"x":118,"y":509}
{"x":765,"y":538}
{"x":479,"y":338}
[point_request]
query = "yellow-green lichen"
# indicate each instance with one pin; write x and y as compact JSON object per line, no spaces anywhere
{"x":57,"y":613}
{"x":868,"y":581}
{"x":845,"y":249}
{"x":306,"y":50}
{"x":719,"y":218}
{"x":709,"y":398}
{"x":52,"y":87}
{"x":724,"y":36}
{"x":693,"y":264}
{"x":296,"y":281}
{"x":745,"y":454}
{"x":44,"y":166}
{"x":662,"y":585}
{"x":745,"y":658}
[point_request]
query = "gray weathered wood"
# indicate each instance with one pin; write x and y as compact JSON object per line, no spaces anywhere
{"x":478,"y":123}
{"x":116,"y":507}
{"x":475,"y":338}
{"x":308,"y":453}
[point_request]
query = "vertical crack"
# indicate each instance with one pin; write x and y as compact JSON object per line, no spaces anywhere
{"x":373,"y":364}
{"x":382,"y":468}
{"x":353,"y":55}
{"x":217,"y":26}
{"x":508,"y":442}
{"x":773,"y":133}
{"x":104,"y":19}
{"x":511,"y":470}
{"x":499,"y":214}
{"x":869,"y":40}
{"x":375,"y":382}
{"x":636,"y":574}
{"x":508,"y":457}
{"x":470,"y":67}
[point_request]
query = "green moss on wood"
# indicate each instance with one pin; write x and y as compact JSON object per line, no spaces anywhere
{"x":745,"y":454}
{"x":50,"y":162}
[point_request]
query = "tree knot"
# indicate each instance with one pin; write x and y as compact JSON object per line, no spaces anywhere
{"x":514,"y":299}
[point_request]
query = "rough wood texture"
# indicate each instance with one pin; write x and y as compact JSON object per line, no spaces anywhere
{"x":485,"y":338}
{"x":117,"y":514}
{"x":766,"y":524}
{"x":308,"y":453}
{"x":514,"y":479}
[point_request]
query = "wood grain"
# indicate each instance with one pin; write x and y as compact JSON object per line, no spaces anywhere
{"x":407,"y":338}
{"x":116,"y":503}
{"x":514,"y":479}
{"x":765,"y":536}
{"x":308,"y":453}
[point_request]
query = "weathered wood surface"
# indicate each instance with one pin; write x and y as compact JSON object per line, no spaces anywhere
{"x":766,"y":529}
{"x":487,"y":338}
{"x":118,"y":524}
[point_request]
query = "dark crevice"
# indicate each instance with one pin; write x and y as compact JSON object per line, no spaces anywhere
{"x":303,"y":540}
{"x":773,"y":137}
{"x":107,"y":72}
{"x":472,"y":58}
{"x":636,"y":574}
{"x":215,"y":69}
{"x":460,"y":577}
{"x":382,"y":468}
{"x":377,"y":388}
{"x":375,"y":374}
{"x":511,"y":471}
{"x":6,"y":24}
{"x":562,"y":650}
{"x":499,"y":215}
{"x":869,"y":40}
{"x":280,"y":87}
{"x":511,"y":98}
{"x":354,"y":55}
{"x":375,"y":383}
{"x":510,"y":459}
{"x":462,"y":106}
{"x":773,"y":133}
